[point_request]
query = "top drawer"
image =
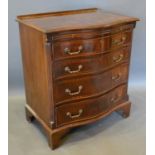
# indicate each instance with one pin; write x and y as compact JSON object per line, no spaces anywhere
{"x":63,"y":49}
{"x":120,"y":39}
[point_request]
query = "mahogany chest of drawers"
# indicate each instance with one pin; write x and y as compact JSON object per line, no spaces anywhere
{"x":76,"y":67}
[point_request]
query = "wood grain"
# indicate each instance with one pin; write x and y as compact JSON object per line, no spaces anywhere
{"x":98,"y":41}
{"x":56,"y":22}
{"x":91,"y":107}
{"x":36,"y":71}
{"x":94,"y":85}
{"x":91,"y":64}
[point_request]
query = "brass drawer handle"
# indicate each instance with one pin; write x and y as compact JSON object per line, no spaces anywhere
{"x":118,"y":58}
{"x":114,"y":99}
{"x":74,"y":116}
{"x":74,"y":93}
{"x":116,"y":77}
{"x":68,"y":51}
{"x":67,"y":69}
{"x":118,"y":41}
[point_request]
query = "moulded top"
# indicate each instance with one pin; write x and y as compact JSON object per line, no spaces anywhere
{"x":73,"y":20}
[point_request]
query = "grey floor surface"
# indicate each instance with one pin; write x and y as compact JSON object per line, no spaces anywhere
{"x":112,"y":135}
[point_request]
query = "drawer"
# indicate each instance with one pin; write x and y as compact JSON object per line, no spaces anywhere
{"x":119,"y":74}
{"x":83,"y":47}
{"x":91,"y":108}
{"x":120,"y":39}
{"x":65,"y":49}
{"x":91,"y":64}
{"x":88,"y":86}
{"x":116,"y":95}
{"x":88,"y":34}
{"x":74,"y":35}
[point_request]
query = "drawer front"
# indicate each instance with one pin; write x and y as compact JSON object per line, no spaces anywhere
{"x":84,"y":47}
{"x":92,"y":64}
{"x":84,"y":87}
{"x":119,"y":75}
{"x":90,"y":108}
{"x":74,"y":35}
{"x":120,"y":39}
{"x":70,"y":48}
{"x":116,"y":95}
{"x":87,"y":34}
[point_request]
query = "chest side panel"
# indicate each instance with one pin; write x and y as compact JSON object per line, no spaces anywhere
{"x":36,"y":71}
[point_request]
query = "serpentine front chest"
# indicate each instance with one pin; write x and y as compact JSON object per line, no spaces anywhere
{"x":76,"y":67}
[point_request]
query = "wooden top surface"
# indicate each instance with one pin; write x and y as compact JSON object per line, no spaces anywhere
{"x":73,"y":20}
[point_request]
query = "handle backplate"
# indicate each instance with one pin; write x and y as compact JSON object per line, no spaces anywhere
{"x":76,"y":115}
{"x":116,"y":77}
{"x":119,"y":41}
{"x":118,"y":58}
{"x":114,"y":99}
{"x":67,"y":90}
{"x":67,"y":69}
{"x":68,"y":51}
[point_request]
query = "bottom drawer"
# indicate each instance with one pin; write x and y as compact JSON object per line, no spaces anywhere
{"x":90,"y":108}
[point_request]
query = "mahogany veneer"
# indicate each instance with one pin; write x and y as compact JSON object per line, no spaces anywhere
{"x":76,"y":66}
